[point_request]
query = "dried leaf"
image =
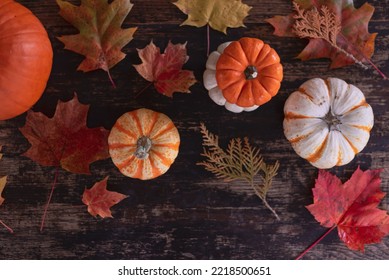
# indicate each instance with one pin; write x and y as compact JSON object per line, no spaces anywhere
{"x":99,"y":200}
{"x":353,"y":42}
{"x":219,"y":14}
{"x":165,"y":70}
{"x":239,"y":161}
{"x":351,"y":207}
{"x":101,"y":37}
{"x":65,"y":140}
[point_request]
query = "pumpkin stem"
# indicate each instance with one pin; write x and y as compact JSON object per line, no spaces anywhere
{"x":143,"y":146}
{"x":332,"y":121}
{"x":251,"y":72}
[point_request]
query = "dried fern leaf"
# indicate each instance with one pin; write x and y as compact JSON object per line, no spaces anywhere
{"x":321,"y":24}
{"x":240,"y":161}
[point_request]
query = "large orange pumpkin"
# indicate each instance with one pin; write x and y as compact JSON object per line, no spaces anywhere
{"x":243,"y":75}
{"x":26,"y":58}
{"x":143,"y":144}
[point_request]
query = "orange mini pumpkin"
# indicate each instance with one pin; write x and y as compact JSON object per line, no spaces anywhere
{"x":26,"y":59}
{"x":143,"y":144}
{"x":243,"y":75}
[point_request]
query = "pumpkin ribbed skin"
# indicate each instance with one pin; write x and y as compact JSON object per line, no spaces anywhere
{"x":26,"y":59}
{"x":327,"y":122}
{"x":243,"y":75}
{"x":124,"y":142}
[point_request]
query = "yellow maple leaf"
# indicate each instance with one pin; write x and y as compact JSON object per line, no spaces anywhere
{"x":219,"y":14}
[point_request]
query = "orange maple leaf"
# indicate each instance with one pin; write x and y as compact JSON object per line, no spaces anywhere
{"x":99,"y":200}
{"x":165,"y":70}
{"x":101,"y":37}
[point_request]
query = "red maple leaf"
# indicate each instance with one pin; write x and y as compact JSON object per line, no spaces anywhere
{"x":351,"y":207}
{"x":99,"y":200}
{"x":353,"y":37}
{"x":165,"y":70}
{"x":65,"y":140}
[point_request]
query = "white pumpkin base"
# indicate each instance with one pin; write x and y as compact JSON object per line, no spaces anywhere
{"x":210,"y":83}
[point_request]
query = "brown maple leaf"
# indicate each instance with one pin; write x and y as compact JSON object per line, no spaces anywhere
{"x":165,"y":70}
{"x":219,"y":14}
{"x":352,"y":42}
{"x":99,"y":200}
{"x":351,"y":207}
{"x":101,"y":37}
{"x":65,"y":140}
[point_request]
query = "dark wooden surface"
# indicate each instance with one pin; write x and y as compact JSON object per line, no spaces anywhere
{"x":187,"y":213}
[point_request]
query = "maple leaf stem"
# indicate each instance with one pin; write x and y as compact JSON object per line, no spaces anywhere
{"x":208,"y":40}
{"x":7,"y":227}
{"x":110,"y":79}
{"x":143,"y":90}
{"x":365,"y":57}
{"x":49,"y":199}
{"x":315,"y":243}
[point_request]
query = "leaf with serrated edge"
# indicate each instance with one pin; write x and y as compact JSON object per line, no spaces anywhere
{"x":219,"y":14}
{"x":351,"y":207}
{"x":65,"y":140}
{"x":165,"y":70}
{"x":101,"y":37}
{"x":354,"y":37}
{"x":99,"y":200}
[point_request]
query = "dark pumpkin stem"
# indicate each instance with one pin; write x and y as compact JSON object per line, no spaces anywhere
{"x":315,"y":243}
{"x":143,"y":146}
{"x":7,"y":227}
{"x":49,"y":199}
{"x":251,"y":72}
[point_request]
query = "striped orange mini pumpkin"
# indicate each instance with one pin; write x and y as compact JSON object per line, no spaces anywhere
{"x":143,"y":144}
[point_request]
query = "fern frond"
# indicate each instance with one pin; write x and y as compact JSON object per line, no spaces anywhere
{"x":239,"y":161}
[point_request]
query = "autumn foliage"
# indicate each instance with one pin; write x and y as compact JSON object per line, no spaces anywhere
{"x":351,"y":207}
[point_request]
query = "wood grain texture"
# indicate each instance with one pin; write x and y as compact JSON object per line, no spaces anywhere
{"x":186,"y":213}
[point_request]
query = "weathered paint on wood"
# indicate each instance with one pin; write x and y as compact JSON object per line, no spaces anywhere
{"x":186,"y":213}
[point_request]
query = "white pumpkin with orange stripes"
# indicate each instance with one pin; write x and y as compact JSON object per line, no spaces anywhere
{"x":327,"y":122}
{"x":143,"y":144}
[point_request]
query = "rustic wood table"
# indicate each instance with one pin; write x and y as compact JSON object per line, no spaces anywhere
{"x":186,"y":213}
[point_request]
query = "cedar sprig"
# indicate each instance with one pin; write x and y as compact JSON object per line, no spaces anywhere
{"x":239,"y":161}
{"x":323,"y":24}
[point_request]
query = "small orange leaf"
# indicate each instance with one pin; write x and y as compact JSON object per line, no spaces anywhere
{"x":99,"y":200}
